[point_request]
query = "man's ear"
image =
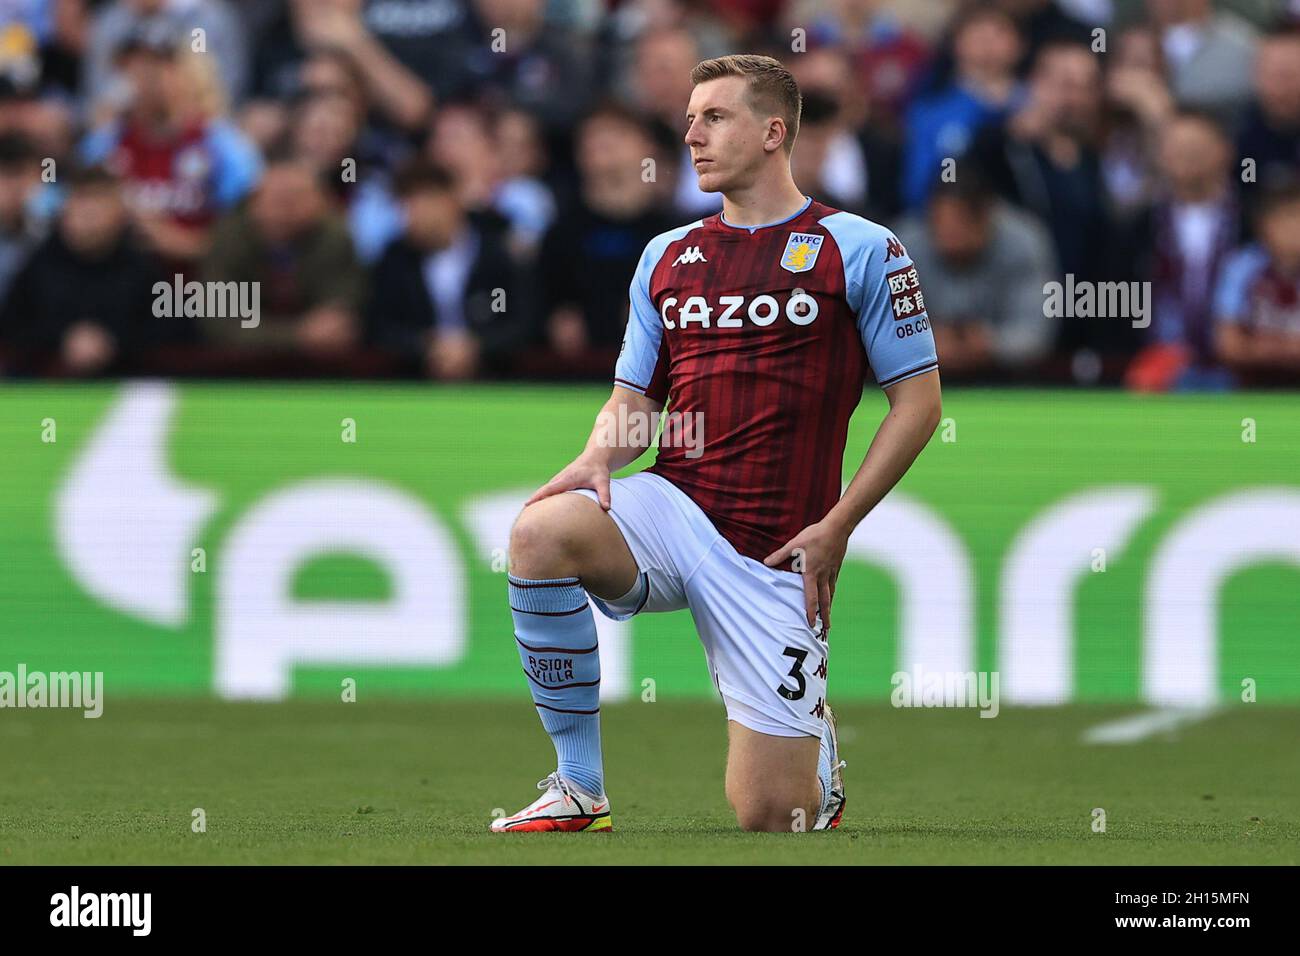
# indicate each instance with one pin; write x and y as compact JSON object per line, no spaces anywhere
{"x":775,"y":134}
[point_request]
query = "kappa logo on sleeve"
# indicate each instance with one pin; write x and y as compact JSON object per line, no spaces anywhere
{"x":905,"y":293}
{"x":894,"y":249}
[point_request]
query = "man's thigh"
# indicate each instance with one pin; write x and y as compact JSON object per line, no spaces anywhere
{"x":768,"y":665}
{"x":569,"y":535}
{"x":662,"y":543}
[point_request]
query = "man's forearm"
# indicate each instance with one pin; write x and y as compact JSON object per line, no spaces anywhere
{"x":400,"y":94}
{"x":609,"y":440}
{"x":906,"y":430}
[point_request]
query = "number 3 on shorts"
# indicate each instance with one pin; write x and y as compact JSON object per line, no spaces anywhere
{"x":796,"y":671}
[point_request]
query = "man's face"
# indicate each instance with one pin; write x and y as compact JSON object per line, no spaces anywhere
{"x":326,"y":129}
{"x":1193,"y":154}
{"x":663,"y":69}
{"x":461,"y":141}
{"x":288,"y":202}
{"x":432,"y":217}
{"x":1277,"y":79}
{"x":826,"y":69}
{"x":92,"y":219}
{"x":1068,"y":85}
{"x":151,"y":76}
{"x":1280,"y":231}
{"x":987,"y":44}
{"x":1138,"y":49}
{"x":959,"y":233}
{"x":725,"y":135}
{"x":324,"y":76}
{"x":611,"y":151}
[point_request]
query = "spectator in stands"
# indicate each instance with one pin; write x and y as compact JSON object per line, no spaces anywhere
{"x":493,"y":91}
{"x":983,"y":90}
{"x":662,"y":88}
{"x":1045,"y":161}
{"x":324,"y":133}
{"x":290,"y":240}
{"x":523,"y":59}
{"x":26,"y":27}
{"x":411,"y":52}
{"x":20,"y":179}
{"x":393,"y":67}
{"x":329,"y":131}
{"x":1043,"y":22}
{"x":1210,"y":54}
{"x":1189,"y":235}
{"x":520,"y":144}
{"x":888,"y":57}
{"x":1138,"y":104}
{"x":181,"y":162}
{"x":589,"y":256}
{"x":1257,"y":305}
{"x":445,"y":294}
{"x":984,"y":265}
{"x":464,"y":142}
{"x":171,"y":21}
{"x":843,"y":157}
{"x":46,"y":122}
{"x":86,"y":294}
{"x":618,"y":34}
{"x":62,"y":29}
{"x":1270,"y":135}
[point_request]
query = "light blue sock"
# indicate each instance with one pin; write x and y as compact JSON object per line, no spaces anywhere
{"x":825,"y":760}
{"x":556,"y":634}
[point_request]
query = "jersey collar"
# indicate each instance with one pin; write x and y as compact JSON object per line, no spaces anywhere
{"x":799,"y":212}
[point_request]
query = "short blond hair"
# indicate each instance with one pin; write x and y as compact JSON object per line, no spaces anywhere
{"x":771,"y":87}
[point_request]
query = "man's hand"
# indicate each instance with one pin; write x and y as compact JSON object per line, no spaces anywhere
{"x":818,"y":552}
{"x":915,"y":408}
{"x":453,"y":356}
{"x":330,"y":25}
{"x":327,"y":330}
{"x":88,"y":348}
{"x":607,"y":449}
{"x":567,"y":332}
{"x":584,"y":472}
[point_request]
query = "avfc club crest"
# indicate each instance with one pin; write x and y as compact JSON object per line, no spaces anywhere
{"x":801,"y":251}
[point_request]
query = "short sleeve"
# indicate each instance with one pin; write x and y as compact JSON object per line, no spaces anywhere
{"x":884,"y":291}
{"x":643,"y":361}
{"x":1232,"y":294}
{"x":238,"y":166}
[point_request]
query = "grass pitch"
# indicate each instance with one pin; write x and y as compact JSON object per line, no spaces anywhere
{"x":403,"y":781}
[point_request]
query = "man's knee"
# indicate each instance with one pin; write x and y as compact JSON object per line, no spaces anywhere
{"x":548,"y":537}
{"x":773,"y":812}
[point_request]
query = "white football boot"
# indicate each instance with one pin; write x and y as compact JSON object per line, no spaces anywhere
{"x":833,"y":812}
{"x":561,"y":807}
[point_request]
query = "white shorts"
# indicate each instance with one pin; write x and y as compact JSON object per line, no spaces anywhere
{"x":766,"y":662}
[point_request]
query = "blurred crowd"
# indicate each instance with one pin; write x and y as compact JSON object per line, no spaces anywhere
{"x":462,"y":188}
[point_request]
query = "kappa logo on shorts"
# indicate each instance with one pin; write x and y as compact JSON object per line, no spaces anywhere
{"x":801,"y":251}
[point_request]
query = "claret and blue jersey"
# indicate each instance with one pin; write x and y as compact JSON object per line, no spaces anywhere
{"x":767,"y":335}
